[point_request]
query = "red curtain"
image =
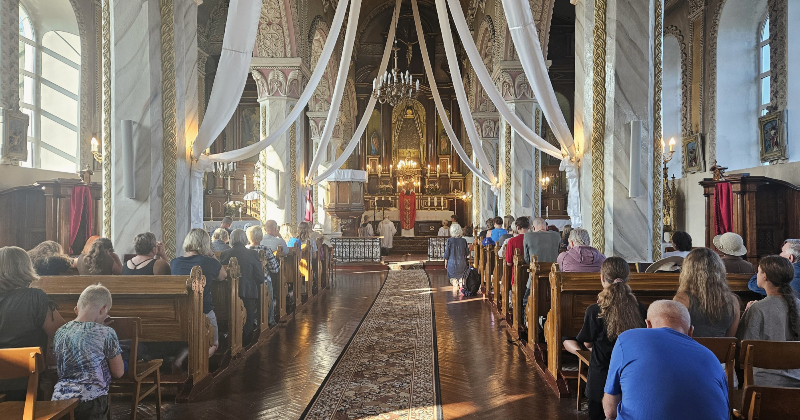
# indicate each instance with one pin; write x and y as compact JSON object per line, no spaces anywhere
{"x":309,"y":216}
{"x":80,"y":205}
{"x":408,"y":210}
{"x":723,"y":208}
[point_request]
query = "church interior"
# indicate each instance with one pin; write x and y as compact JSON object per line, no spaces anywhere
{"x":430,"y":209}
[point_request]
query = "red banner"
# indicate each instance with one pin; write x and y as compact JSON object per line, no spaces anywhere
{"x":408,"y":210}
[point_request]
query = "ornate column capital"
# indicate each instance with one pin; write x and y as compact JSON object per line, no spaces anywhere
{"x":283,"y":77}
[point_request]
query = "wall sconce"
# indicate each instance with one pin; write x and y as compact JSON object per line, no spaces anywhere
{"x":545,"y":182}
{"x":96,"y":150}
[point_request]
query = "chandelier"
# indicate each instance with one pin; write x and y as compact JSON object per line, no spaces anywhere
{"x":407,"y":172}
{"x":394,"y":86}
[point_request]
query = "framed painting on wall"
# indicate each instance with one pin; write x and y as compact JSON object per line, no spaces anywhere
{"x":771,"y":136}
{"x":693,"y":153}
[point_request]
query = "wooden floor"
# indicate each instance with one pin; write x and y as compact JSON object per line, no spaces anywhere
{"x":280,"y":378}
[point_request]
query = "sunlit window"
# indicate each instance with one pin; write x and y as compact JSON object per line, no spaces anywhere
{"x":764,"y":70}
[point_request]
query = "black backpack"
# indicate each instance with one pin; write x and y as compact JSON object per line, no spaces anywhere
{"x":472,"y":282}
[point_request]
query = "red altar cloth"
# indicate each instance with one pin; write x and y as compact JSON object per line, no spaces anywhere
{"x":408,"y":209}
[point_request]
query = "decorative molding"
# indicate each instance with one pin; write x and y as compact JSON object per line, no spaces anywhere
{"x":658,"y":134}
{"x":168,"y":117}
{"x":686,"y":90}
{"x":272,"y":39}
{"x":474,"y":6}
{"x":86,"y":114}
{"x":597,"y":146}
{"x":107,"y":158}
{"x":696,"y":8}
{"x":711,"y":81}
{"x":778,"y":28}
{"x":537,"y":169}
{"x":202,"y":59}
{"x":293,"y":173}
{"x":507,"y":181}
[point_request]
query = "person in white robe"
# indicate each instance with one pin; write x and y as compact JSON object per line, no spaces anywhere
{"x":444,"y":230}
{"x":387,"y":229}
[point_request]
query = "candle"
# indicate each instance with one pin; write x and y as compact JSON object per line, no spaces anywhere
{"x":547,"y":212}
{"x":374,"y":83}
{"x":212,"y":212}
{"x":417,"y":84}
{"x":244,"y":177}
{"x":240,"y":213}
{"x":95,"y":145}
{"x":672,"y":144}
{"x":229,"y":182}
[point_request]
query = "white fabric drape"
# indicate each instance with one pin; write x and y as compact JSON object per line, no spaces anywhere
{"x":241,"y":27}
{"x":526,"y":40}
{"x":486,"y":79}
{"x":461,"y":96}
{"x":341,"y":81}
{"x":354,"y":141}
{"x":438,"y":101}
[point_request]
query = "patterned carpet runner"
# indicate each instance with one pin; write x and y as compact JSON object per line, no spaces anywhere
{"x":388,"y":370}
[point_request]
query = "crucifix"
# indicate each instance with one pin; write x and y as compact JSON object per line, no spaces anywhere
{"x":409,"y":46}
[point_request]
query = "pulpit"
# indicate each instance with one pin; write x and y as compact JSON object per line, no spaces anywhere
{"x":345,"y":199}
{"x":765,"y":212}
{"x":42,"y":211}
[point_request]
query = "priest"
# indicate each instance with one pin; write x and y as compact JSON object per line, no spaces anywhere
{"x":386,"y":229}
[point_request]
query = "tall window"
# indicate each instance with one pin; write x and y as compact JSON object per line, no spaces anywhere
{"x":764,"y":71}
{"x":49,"y":90}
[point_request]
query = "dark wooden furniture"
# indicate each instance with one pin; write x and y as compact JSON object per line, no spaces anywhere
{"x":28,"y":362}
{"x":725,"y":350}
{"x":766,"y":402}
{"x":766,"y":212}
{"x":40,"y":212}
{"x":583,"y":372}
{"x":130,"y":329}
{"x":768,"y":355}
{"x":346,"y":201}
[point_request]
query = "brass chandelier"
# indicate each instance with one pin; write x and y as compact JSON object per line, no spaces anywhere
{"x":393,"y":87}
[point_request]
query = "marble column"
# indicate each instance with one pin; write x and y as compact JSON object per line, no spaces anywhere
{"x":281,"y":174}
{"x":612,"y":90}
{"x":316,"y":125}
{"x":522,"y":160}
{"x":14,"y":136}
{"x":139,"y":94}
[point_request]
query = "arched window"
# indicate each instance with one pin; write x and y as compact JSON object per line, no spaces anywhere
{"x":764,"y":70}
{"x":49,"y":90}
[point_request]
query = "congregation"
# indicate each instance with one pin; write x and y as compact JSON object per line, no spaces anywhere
{"x":86,"y":351}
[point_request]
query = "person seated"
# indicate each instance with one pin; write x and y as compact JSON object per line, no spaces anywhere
{"x":304,"y":234}
{"x":682,"y":242}
{"x":580,"y":257}
{"x":516,"y":243}
{"x":703,"y":289}
{"x":455,"y":255}
{"x":483,"y":233}
{"x":364,"y":231}
{"x":219,"y":240}
{"x":255,"y":236}
{"x":88,"y":245}
{"x":197,"y":247}
{"x":226,"y":223}
{"x":286,"y":232}
{"x":564,"y":244}
{"x":616,"y":311}
{"x":498,"y":230}
{"x":540,"y":242}
{"x":774,"y":318}
{"x":151,"y":258}
{"x":49,"y":259}
{"x":444,"y":230}
{"x":509,"y":228}
{"x":791,"y":251}
{"x":28,"y":318}
{"x":88,"y":354}
{"x":661,"y":373}
{"x":101,"y":260}
{"x":731,"y":248}
{"x":252,"y":274}
{"x":271,"y":237}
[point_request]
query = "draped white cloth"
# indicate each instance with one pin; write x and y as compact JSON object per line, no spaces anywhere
{"x":485,"y":78}
{"x":440,"y":108}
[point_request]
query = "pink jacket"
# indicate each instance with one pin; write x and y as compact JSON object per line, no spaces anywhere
{"x":582,"y":259}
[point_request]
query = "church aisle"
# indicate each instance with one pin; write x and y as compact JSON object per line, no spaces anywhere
{"x":481,"y":375}
{"x":280,"y":378}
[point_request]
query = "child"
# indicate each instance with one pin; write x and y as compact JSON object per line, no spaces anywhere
{"x":615,"y":312}
{"x":88,"y":355}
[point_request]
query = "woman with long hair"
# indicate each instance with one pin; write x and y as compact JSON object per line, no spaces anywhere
{"x":49,"y":259}
{"x":703,"y":289}
{"x":616,"y":311}
{"x":100,"y":260}
{"x":774,"y":318}
{"x":303,"y":235}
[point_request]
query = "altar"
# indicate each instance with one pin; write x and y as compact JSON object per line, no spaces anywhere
{"x":427,"y":222}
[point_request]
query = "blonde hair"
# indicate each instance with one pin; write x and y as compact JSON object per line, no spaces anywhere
{"x":286,"y":231}
{"x":16,"y":269}
{"x":197,"y":240}
{"x":94,"y":297}
{"x":456,"y":231}
{"x":580,"y":237}
{"x":46,"y":250}
{"x":444,"y":223}
{"x":303,"y":232}
{"x":220,"y":234}
{"x":703,"y":276}
{"x":238,"y":237}
{"x":618,"y":305}
{"x":255,"y":234}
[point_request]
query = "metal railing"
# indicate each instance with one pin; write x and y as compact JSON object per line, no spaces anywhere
{"x":356,"y":249}
{"x":436,"y":248}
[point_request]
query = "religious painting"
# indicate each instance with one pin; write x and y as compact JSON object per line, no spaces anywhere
{"x":408,"y":131}
{"x":373,"y":133}
{"x":442,"y":141}
{"x":693,"y":153}
{"x":772,"y":137}
{"x":250,"y":128}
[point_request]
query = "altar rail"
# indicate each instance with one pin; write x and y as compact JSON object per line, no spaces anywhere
{"x":356,"y":249}
{"x":436,"y":248}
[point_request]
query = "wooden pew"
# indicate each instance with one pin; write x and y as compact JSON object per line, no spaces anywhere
{"x":287,"y":259}
{"x":572,"y":293}
{"x":170,"y":307}
{"x":476,"y":246}
{"x":230,"y":312}
{"x":497,"y":272}
{"x":518,"y":293}
{"x":306,"y":274}
{"x":264,"y":299}
{"x":320,"y":266}
{"x":487,"y":268}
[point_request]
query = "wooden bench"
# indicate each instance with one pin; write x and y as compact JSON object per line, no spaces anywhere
{"x":29,"y":362}
{"x":764,"y":402}
{"x":572,"y":293}
{"x":170,"y":308}
{"x":230,"y":312}
{"x":487,"y":269}
{"x":306,"y":268}
{"x":289,"y":272}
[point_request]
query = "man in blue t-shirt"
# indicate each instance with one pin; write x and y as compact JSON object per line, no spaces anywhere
{"x":661,"y":373}
{"x":498,"y":230}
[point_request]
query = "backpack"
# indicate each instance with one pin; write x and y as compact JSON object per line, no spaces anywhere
{"x":472,"y":282}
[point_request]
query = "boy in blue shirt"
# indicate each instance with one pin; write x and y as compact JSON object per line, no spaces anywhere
{"x":88,"y":355}
{"x":498,"y":230}
{"x":660,"y":372}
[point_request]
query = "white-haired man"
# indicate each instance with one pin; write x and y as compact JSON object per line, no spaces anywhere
{"x":660,"y":372}
{"x":541,"y":242}
{"x":791,"y":251}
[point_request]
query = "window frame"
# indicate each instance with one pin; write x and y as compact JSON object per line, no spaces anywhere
{"x":762,"y":42}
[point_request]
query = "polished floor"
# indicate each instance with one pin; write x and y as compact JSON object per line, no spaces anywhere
{"x":482,"y":375}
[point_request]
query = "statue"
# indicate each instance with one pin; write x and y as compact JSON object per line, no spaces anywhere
{"x":444,"y":143}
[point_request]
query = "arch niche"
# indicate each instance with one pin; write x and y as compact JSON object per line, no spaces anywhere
{"x":408,"y":131}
